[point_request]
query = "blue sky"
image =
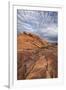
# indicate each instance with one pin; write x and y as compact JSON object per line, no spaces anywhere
{"x":42,"y":23}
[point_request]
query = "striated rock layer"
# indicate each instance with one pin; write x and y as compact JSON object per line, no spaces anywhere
{"x":36,"y":58}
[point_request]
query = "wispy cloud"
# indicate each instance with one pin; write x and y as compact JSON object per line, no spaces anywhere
{"x":43,"y":23}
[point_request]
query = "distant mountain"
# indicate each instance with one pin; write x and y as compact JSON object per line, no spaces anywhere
{"x":36,"y":58}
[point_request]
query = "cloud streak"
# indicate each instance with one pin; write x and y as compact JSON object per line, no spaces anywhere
{"x":43,"y":23}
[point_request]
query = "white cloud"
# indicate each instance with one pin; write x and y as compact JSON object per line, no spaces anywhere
{"x":43,"y":23}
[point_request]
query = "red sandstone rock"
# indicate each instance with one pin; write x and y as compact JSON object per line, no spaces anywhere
{"x":36,"y":58}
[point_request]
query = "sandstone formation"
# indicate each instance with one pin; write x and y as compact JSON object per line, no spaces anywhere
{"x":36,"y":57}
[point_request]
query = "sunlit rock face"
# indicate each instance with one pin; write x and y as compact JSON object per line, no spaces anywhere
{"x":42,"y":23}
{"x":36,"y":58}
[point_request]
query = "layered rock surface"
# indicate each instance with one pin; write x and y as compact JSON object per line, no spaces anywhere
{"x":36,"y":58}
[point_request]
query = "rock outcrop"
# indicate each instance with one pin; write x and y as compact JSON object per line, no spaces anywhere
{"x":36,"y":57}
